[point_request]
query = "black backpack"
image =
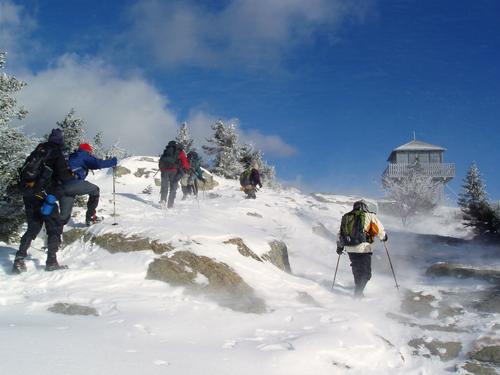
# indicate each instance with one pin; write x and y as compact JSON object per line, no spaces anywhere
{"x":170,"y":156}
{"x":35,"y":173}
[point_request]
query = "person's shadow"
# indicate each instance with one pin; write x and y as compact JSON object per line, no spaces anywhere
{"x":7,"y":254}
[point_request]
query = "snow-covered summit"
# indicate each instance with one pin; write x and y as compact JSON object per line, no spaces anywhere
{"x":153,"y":327}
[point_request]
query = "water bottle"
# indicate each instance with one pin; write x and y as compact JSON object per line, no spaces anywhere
{"x":48,"y":205}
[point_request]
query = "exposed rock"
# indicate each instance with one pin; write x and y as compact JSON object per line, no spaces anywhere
{"x":119,"y":243}
{"x":223,"y":283}
{"x":461,"y":272}
{"x":321,"y":199}
{"x":146,"y":158}
{"x":242,"y":248}
{"x":158,"y":181}
{"x":121,"y":171}
{"x":213,"y":195}
{"x":254,"y":214}
{"x":417,"y":304}
{"x":72,"y":309}
{"x":278,"y":255}
{"x":72,"y":235}
{"x":143,"y":172}
{"x":444,"y":350}
{"x":488,"y":301}
{"x":486,"y":349}
{"x":476,"y":368}
{"x":426,"y":327}
{"x":307,"y":299}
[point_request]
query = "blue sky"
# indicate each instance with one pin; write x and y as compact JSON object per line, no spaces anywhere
{"x":327,"y":88}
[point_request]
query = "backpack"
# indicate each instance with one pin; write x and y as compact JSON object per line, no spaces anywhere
{"x":170,"y":156}
{"x":352,"y":229}
{"x":245,"y":177}
{"x":34,"y":173}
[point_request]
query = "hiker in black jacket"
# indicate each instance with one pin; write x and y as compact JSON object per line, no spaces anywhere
{"x":38,"y":191}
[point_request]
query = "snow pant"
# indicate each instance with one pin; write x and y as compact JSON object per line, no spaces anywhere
{"x":36,"y":220}
{"x":169,"y":180}
{"x":69,"y":193}
{"x":189,"y":185}
{"x":250,"y":191}
{"x":361,"y":264}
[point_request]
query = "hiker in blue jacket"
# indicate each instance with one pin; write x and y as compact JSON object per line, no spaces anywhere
{"x":80,"y":162}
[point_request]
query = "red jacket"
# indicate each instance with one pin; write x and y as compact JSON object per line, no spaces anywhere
{"x":184,"y":163}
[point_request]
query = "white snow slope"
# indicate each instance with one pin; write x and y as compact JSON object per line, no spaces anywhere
{"x":149,"y":327}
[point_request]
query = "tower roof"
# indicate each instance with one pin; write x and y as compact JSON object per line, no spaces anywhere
{"x":418,"y":146}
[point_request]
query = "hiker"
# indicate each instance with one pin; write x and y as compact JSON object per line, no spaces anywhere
{"x":173,"y":164}
{"x":249,"y":180}
{"x":40,"y":177}
{"x":189,"y":180}
{"x":80,"y":162}
{"x":358,"y":229}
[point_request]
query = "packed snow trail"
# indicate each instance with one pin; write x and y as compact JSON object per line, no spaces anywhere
{"x":152,"y":327}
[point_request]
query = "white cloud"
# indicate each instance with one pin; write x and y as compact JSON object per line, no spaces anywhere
{"x":271,"y":145}
{"x":16,"y":26}
{"x":248,"y":32}
{"x":127,"y":109}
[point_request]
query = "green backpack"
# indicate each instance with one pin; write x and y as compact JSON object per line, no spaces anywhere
{"x":170,"y":157}
{"x":245,"y":177}
{"x":352,"y":228}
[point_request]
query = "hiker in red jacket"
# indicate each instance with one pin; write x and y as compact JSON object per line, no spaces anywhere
{"x":173,"y":164}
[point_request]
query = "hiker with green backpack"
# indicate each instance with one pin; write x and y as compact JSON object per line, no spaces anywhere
{"x":173,"y":164}
{"x":249,"y":180}
{"x":358,"y":229}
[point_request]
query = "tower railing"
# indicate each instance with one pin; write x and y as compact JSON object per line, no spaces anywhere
{"x":438,"y":170}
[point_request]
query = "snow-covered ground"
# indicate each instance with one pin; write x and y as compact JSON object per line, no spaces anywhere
{"x":150,"y":327}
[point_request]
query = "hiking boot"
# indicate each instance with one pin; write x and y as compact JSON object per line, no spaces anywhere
{"x":92,"y":220}
{"x":51,"y":264}
{"x":55,"y":266}
{"x":163,"y":204}
{"x":19,"y":266}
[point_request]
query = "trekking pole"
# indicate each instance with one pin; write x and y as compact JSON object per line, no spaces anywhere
{"x":392,"y":268}
{"x":336,"y":268}
{"x":114,"y":197}
{"x":156,"y":173}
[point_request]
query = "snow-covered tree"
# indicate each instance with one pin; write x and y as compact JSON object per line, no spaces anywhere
{"x":184,"y":138}
{"x":413,"y":193}
{"x":14,"y":148}
{"x":225,"y":149}
{"x":118,"y":152}
{"x":477,"y":212}
{"x":98,"y":147}
{"x":73,"y":128}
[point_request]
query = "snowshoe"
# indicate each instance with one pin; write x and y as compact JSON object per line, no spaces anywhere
{"x":19,"y":266}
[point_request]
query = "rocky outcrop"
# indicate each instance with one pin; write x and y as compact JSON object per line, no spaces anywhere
{"x":209,"y":183}
{"x":322,"y":231}
{"x":278,"y":255}
{"x":72,"y":235}
{"x":444,"y":350}
{"x":462,"y":272}
{"x":72,"y":309}
{"x":119,"y":243}
{"x":121,"y":171}
{"x":200,"y":274}
{"x":242,"y":248}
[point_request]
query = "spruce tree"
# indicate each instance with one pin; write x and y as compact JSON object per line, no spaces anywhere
{"x":14,"y":148}
{"x":224,"y":147}
{"x":477,"y":212}
{"x":184,"y":138}
{"x":73,"y":128}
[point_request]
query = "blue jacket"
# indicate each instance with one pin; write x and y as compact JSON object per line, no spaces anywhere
{"x":81,"y":161}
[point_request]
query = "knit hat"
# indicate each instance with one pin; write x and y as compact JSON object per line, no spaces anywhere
{"x":56,"y":136}
{"x":85,"y":147}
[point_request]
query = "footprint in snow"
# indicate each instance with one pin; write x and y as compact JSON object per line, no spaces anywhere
{"x":160,"y":362}
{"x":229,"y":344}
{"x":276,"y":347}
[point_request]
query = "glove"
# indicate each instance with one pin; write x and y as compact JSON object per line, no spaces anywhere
{"x":114,"y":160}
{"x":385,"y":238}
{"x":260,"y":185}
{"x":340,"y":250}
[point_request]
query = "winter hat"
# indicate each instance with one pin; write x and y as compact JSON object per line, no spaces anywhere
{"x":85,"y":147}
{"x":360,"y":205}
{"x":56,"y":136}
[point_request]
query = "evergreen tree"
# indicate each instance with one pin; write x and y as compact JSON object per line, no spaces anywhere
{"x":98,"y":146}
{"x":224,"y":147}
{"x":74,"y":131}
{"x":250,"y":157}
{"x":477,"y":212}
{"x":14,"y":148}
{"x":184,"y":138}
